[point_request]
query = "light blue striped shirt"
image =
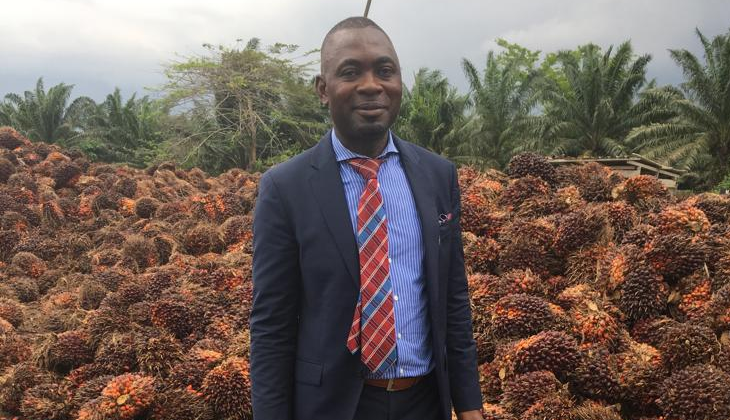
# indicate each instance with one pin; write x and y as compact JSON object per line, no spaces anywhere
{"x":405,"y":249}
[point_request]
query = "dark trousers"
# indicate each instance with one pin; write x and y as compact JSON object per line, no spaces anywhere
{"x":419,"y":402}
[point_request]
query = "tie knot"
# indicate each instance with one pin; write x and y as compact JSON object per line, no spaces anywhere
{"x":368,"y":168}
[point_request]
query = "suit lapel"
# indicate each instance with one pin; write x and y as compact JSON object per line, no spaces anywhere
{"x":327,"y":188}
{"x":423,"y":194}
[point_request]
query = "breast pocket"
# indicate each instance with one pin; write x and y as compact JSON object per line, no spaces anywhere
{"x":308,"y":372}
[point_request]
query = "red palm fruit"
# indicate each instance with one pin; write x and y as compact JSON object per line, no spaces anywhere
{"x":581,"y":228}
{"x":589,"y":264}
{"x":116,"y":354}
{"x":682,"y":218}
{"x":226,"y":388}
{"x":65,"y":174}
{"x":575,"y":295}
{"x":87,"y":391}
{"x":125,"y":397}
{"x":481,"y":255}
{"x":556,"y":407}
{"x":643,"y":293}
{"x":640,"y":190}
{"x":16,"y":380}
{"x":675,"y":255}
{"x":520,"y":189}
{"x":686,"y":344}
{"x":489,"y":381}
{"x":698,"y":392}
{"x":523,"y":281}
{"x":522,"y":315}
{"x":590,"y":410}
{"x":494,"y":412}
{"x":157,"y":352}
{"x":597,"y":375}
{"x":622,"y":217}
{"x":549,"y":350}
{"x":68,"y":350}
{"x":475,"y":210}
{"x":467,"y":175}
{"x":526,"y":244}
{"x":715,"y":206}
{"x":595,"y":181}
{"x":11,"y":311}
{"x":181,"y":404}
{"x":651,"y":331}
{"x":203,"y":238}
{"x":11,"y":139}
{"x":640,"y":369}
{"x":196,"y":364}
{"x":529,"y":163}
{"x":28,"y":264}
{"x":141,"y":250}
{"x":596,"y":323}
{"x":173,"y":316}
{"x":146,"y":207}
{"x":692,"y":297}
{"x":521,"y":392}
{"x":47,"y":401}
{"x":718,"y":310}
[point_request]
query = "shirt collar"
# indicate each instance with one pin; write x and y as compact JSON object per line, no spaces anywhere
{"x":342,"y":153}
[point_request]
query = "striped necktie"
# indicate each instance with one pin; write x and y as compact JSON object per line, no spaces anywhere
{"x":373,"y":324}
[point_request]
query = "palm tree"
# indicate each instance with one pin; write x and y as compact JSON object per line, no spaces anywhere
{"x":120,"y":131}
{"x":698,"y":139}
{"x":502,"y":96}
{"x":430,"y":111}
{"x":596,"y":101}
{"x":45,"y":116}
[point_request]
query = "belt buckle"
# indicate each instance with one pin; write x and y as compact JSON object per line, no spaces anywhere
{"x":390,"y":384}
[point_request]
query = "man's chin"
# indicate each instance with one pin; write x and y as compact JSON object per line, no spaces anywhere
{"x":370,"y":130}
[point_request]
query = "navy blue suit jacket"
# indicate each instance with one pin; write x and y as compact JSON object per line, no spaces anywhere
{"x":306,"y":281}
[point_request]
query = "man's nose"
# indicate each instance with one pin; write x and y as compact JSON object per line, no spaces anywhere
{"x":369,"y":83}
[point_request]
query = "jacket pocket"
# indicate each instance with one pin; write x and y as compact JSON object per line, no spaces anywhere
{"x":307,"y":372}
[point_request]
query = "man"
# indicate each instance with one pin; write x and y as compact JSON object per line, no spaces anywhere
{"x":360,"y":308}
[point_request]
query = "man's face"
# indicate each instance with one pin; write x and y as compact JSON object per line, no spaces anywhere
{"x":361,"y":82}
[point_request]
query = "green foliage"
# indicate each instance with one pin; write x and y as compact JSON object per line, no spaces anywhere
{"x":594,"y":99}
{"x":502,"y":96}
{"x":45,"y":116}
{"x":119,"y":131}
{"x":698,"y":138}
{"x":430,"y":112}
{"x":239,"y":105}
{"x":723,"y":186}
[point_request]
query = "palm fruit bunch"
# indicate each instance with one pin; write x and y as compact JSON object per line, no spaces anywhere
{"x":533,"y":164}
{"x":125,"y":293}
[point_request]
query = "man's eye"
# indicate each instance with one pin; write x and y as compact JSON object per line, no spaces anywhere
{"x":348,"y":72}
{"x":387,"y":71}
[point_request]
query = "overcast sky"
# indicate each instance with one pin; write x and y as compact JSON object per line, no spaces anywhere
{"x":99,"y":44}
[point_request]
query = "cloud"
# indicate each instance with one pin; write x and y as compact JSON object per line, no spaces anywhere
{"x":100,"y":44}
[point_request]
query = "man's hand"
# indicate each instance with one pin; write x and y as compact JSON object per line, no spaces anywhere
{"x":470,"y":415}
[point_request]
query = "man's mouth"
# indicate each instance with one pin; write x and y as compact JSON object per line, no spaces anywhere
{"x":370,"y":106}
{"x":370,"y":109}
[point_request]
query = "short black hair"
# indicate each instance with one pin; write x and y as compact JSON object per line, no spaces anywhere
{"x":354,"y":22}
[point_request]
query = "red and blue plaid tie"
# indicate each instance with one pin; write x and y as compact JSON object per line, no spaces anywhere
{"x":373,"y":325}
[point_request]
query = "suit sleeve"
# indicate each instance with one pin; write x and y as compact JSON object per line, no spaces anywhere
{"x":275,"y":309}
{"x":460,"y":344}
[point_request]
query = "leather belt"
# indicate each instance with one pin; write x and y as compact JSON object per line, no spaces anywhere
{"x":396,"y":384}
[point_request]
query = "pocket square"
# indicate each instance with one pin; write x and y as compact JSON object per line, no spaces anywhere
{"x":444,"y":218}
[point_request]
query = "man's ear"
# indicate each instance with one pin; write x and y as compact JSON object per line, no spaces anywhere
{"x":321,"y":87}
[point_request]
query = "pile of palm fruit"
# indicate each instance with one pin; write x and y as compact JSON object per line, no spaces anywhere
{"x":596,"y":297}
{"x":125,"y":293}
